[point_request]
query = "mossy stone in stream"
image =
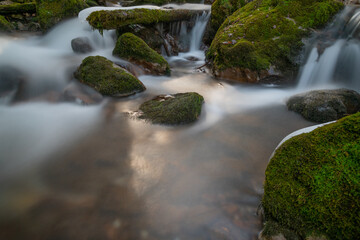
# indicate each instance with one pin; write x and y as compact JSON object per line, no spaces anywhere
{"x":265,"y":35}
{"x":5,"y":25}
{"x":312,"y":185}
{"x":51,"y":12}
{"x":134,"y":49}
{"x":107,"y":78}
{"x":181,"y":108}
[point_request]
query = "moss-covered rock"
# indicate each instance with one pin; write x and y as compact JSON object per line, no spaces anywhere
{"x":181,"y":108}
{"x":17,"y":8}
{"x":156,"y":2}
{"x":51,"y":12}
{"x":119,"y":18}
{"x":134,"y":49}
{"x":325,"y":105}
{"x":312,"y":184}
{"x":266,"y":35}
{"x":5,"y":25}
{"x":107,"y":78}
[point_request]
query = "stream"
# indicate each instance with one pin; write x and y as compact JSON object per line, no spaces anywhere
{"x":74,"y":171}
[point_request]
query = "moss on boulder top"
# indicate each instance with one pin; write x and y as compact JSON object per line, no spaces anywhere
{"x":134,"y":49}
{"x":157,"y":2}
{"x":17,"y":8}
{"x":107,"y":78}
{"x":312,"y":184}
{"x":5,"y":25}
{"x":267,"y":33}
{"x":181,"y":108}
{"x":119,"y":18}
{"x":51,"y":12}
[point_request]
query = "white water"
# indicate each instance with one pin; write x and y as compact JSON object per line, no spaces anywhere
{"x":337,"y":65}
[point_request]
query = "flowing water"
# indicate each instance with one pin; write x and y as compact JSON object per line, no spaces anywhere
{"x":72,"y":171}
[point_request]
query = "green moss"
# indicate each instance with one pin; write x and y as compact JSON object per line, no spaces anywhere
{"x":51,"y":12}
{"x":274,"y":27}
{"x":5,"y":26}
{"x":119,"y":18}
{"x":181,"y":108}
{"x":313,"y":182}
{"x":133,"y":48}
{"x":158,"y":2}
{"x":17,"y":8}
{"x":107,"y":78}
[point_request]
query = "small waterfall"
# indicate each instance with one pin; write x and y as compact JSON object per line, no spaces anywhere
{"x":334,"y":54}
{"x":198,"y":30}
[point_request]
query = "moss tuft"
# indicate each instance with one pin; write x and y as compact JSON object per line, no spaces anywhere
{"x":107,"y":78}
{"x":51,"y":12}
{"x":312,"y":183}
{"x":275,"y":28}
{"x":5,"y":25}
{"x":181,"y":108}
{"x":134,"y":49}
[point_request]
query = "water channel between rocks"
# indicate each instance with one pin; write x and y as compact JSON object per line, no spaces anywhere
{"x":70,"y":171}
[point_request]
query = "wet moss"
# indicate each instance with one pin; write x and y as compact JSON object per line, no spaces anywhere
{"x":107,"y":78}
{"x":5,"y":25}
{"x":51,"y":12}
{"x":274,"y":27}
{"x":134,"y":49}
{"x":119,"y":18}
{"x":312,"y":184}
{"x":17,"y":8}
{"x":158,"y":2}
{"x":181,"y":108}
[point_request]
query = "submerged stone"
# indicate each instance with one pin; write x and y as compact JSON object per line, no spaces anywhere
{"x":134,"y":49}
{"x":81,"y":45}
{"x":265,"y":35}
{"x":312,"y":186}
{"x":180,"y":108}
{"x":325,"y":105}
{"x":107,"y":78}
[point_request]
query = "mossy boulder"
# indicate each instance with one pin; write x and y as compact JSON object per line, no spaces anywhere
{"x":17,"y":8}
{"x":312,"y":184}
{"x":181,"y":108}
{"x":51,"y":12}
{"x":264,"y":37}
{"x":156,"y":2}
{"x":134,"y":49}
{"x":325,"y":105}
{"x":5,"y":25}
{"x":107,"y":78}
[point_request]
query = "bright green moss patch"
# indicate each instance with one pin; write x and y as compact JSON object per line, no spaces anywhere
{"x":107,"y":78}
{"x":119,"y":18}
{"x":133,"y":48}
{"x":274,"y":27}
{"x":181,"y":108}
{"x":51,"y":12}
{"x":313,"y":182}
{"x":5,"y":25}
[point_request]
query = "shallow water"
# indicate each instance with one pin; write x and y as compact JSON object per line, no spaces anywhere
{"x":70,"y":171}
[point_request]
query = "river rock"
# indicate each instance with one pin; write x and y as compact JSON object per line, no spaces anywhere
{"x":11,"y":82}
{"x":325,"y":105}
{"x":135,"y":50}
{"x":81,"y":45}
{"x":180,"y":108}
{"x":81,"y":94}
{"x":107,"y":78}
{"x":5,"y":25}
{"x":266,"y":34}
{"x":312,"y":184}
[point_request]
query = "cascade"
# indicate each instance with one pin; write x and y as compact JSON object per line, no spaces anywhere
{"x":333,"y":55}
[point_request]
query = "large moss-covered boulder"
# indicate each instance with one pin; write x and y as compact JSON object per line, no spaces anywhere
{"x":51,"y":12}
{"x":134,"y":49}
{"x":312,"y":184}
{"x":107,"y":78}
{"x":181,"y":108}
{"x":325,"y":105}
{"x":264,"y":37}
{"x":16,"y":8}
{"x":5,"y":25}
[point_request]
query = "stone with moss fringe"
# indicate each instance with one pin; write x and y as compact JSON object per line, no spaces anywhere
{"x":107,"y":78}
{"x":181,"y":108}
{"x":51,"y":12}
{"x":134,"y":49}
{"x":265,"y":36}
{"x":325,"y":105}
{"x":312,"y":185}
{"x":5,"y":25}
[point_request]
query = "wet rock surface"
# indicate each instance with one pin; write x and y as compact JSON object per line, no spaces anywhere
{"x":325,"y":105}
{"x":81,"y":45}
